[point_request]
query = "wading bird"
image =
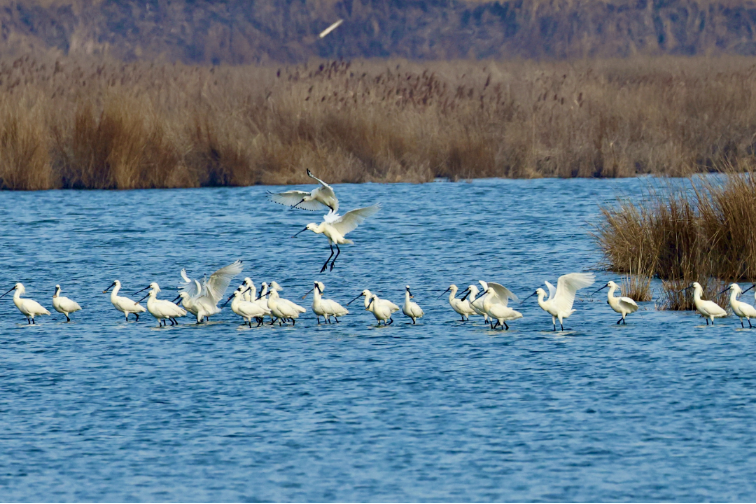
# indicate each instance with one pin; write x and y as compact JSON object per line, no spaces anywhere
{"x":621,"y":304}
{"x":246,"y":309}
{"x":410,"y":308}
{"x":316,"y":199}
{"x":205,"y":296}
{"x":28,"y":307}
{"x":495,"y":300}
{"x":460,"y":306}
{"x":325,"y":308}
{"x":282,"y":309}
{"x":63,"y":304}
{"x":161,"y":309}
{"x":122,"y":303}
{"x":336,"y":227}
{"x":739,"y":308}
{"x":708,"y":309}
{"x":380,"y":308}
{"x":561,"y":298}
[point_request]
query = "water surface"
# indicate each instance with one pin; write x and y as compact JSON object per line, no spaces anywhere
{"x":104,"y":410}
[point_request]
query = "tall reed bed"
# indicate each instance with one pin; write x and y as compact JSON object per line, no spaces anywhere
{"x":702,"y":230}
{"x":75,"y":123}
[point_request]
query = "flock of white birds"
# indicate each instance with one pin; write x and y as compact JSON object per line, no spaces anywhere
{"x":202,"y":298}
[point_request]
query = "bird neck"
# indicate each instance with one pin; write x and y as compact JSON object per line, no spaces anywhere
{"x":452,"y":295}
{"x":611,"y":291}
{"x":734,"y":296}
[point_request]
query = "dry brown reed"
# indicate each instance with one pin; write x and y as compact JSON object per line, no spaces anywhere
{"x":701,"y":231}
{"x":74,"y":123}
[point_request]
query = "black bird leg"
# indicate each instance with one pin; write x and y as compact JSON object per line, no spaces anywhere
{"x":327,"y":260}
{"x":338,"y":251}
{"x":619,"y":321}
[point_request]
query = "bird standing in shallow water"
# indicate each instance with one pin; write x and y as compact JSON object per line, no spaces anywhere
{"x":161,"y":309}
{"x":621,"y":304}
{"x":316,"y":199}
{"x":63,"y":304}
{"x":336,"y":227}
{"x":28,"y":307}
{"x":708,"y":309}
{"x":495,"y":300}
{"x":205,"y":296}
{"x":461,"y":306}
{"x":741,"y":309}
{"x":410,"y":308}
{"x":325,"y":308}
{"x":561,"y":298}
{"x":122,"y":303}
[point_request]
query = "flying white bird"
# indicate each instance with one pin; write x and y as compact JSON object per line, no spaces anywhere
{"x":330,"y":28}
{"x":28,"y":307}
{"x":620,"y":304}
{"x":380,"y":308}
{"x":325,"y":308}
{"x":63,"y":304}
{"x":246,"y":309}
{"x":708,"y":309}
{"x":739,"y":308}
{"x":461,"y":306}
{"x":122,"y":303}
{"x":161,"y":309}
{"x":495,"y":300}
{"x":410,"y":308}
{"x":336,"y":227}
{"x":559,"y":304}
{"x":205,"y":296}
{"x":316,"y":199}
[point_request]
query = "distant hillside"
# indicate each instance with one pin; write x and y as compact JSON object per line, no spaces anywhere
{"x":251,"y":31}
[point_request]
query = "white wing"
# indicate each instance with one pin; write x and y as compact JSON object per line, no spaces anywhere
{"x":567,"y":286}
{"x":552,"y":290}
{"x":484,"y":284}
{"x":502,"y":293}
{"x":354,"y":218}
{"x":309,"y":174}
{"x":216,"y":286}
{"x":191,"y":287}
{"x":628,"y":304}
{"x":294,"y":198}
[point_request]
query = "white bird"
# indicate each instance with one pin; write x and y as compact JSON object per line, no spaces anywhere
{"x":460,"y":306}
{"x":28,"y":307}
{"x":708,"y":309}
{"x":380,"y":308}
{"x":161,"y":309}
{"x":741,"y":309}
{"x":247,"y":309}
{"x":325,"y":308}
{"x":205,"y":296}
{"x":495,"y":300}
{"x":63,"y":304}
{"x":559,"y":304}
{"x":621,"y":304}
{"x":122,"y":303}
{"x":316,"y":199}
{"x":187,"y":303}
{"x":476,"y":303}
{"x":410,"y":308}
{"x":251,"y":293}
{"x":336,"y":227}
{"x":282,"y":309}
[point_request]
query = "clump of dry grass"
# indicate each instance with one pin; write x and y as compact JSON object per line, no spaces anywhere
{"x":703,"y":232}
{"x":78,"y":123}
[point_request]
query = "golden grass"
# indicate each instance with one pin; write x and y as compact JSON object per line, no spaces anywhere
{"x":702,"y":230}
{"x":74,"y":123}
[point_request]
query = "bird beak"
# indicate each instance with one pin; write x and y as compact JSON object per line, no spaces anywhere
{"x":536,"y":292}
{"x":177,"y":300}
{"x":370,"y":304}
{"x":305,"y":229}
{"x":308,"y":292}
{"x":141,"y":290}
{"x":597,"y":290}
{"x":106,"y":290}
{"x":447,"y":290}
{"x":9,"y":291}
{"x":726,"y":289}
{"x":229,"y":299}
{"x":410,"y":293}
{"x":145,"y":297}
{"x":685,"y":289}
{"x":350,"y":302}
{"x":749,"y":288}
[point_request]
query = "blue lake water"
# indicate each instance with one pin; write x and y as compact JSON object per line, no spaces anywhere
{"x":104,"y":410}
